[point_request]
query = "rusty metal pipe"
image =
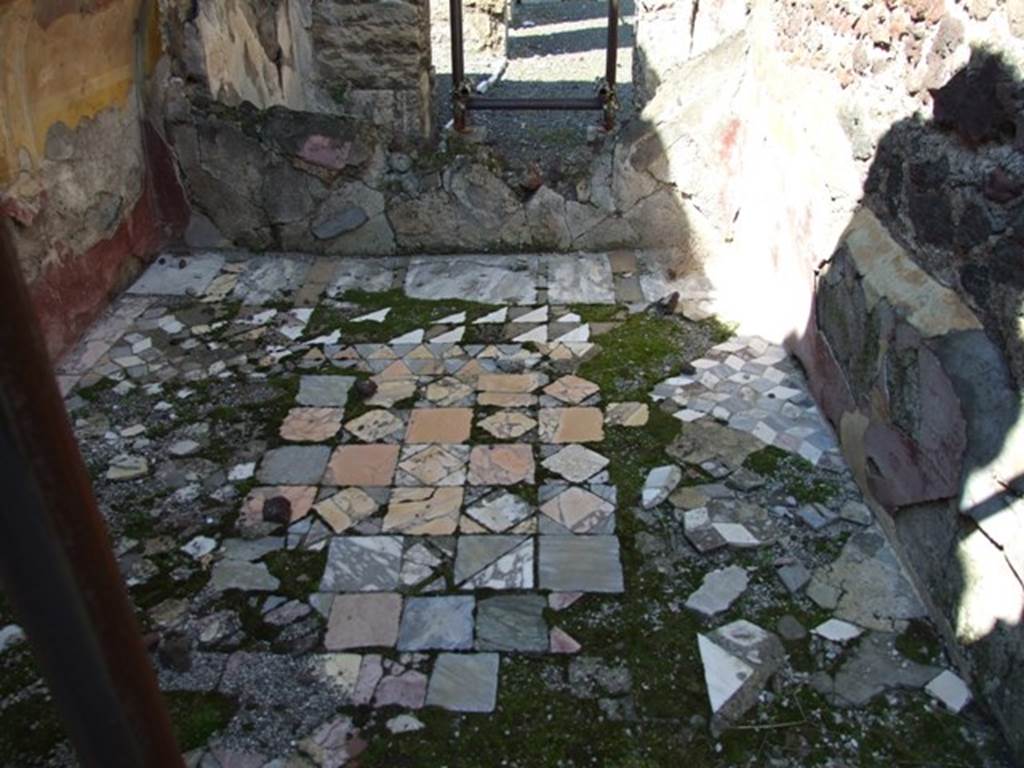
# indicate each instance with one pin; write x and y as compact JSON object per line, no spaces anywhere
{"x":611,"y":59}
{"x":56,"y":564}
{"x":458,"y":66}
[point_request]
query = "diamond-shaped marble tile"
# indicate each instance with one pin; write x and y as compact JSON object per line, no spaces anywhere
{"x":507,"y":425}
{"x":498,"y":511}
{"x":377,"y":426}
{"x":501,"y":464}
{"x":449,"y":391}
{"x":576,"y":510}
{"x":436,"y":465}
{"x":575,"y":463}
{"x":571,"y":389}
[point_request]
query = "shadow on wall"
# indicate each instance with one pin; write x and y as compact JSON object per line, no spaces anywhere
{"x":915,"y":350}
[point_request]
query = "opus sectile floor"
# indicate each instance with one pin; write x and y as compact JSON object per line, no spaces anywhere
{"x":450,"y":483}
{"x":459,"y":493}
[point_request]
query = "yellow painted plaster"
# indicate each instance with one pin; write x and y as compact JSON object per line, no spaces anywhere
{"x":80,"y":64}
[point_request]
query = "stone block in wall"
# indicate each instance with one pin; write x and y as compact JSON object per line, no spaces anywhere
{"x":280,"y":179}
{"x":364,"y":58}
{"x":484,"y":30}
{"x":374,"y":60}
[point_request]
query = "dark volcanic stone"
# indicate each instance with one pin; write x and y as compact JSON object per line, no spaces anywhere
{"x":277,"y":509}
{"x":173,"y":652}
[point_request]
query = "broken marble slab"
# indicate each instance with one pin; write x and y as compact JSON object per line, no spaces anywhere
{"x":127,"y":467}
{"x":464,"y":682}
{"x":715,"y":526}
{"x":269,"y":278}
{"x":487,"y":279}
{"x":794,"y":576}
{"x":874,"y":667}
{"x":580,"y":279}
{"x":324,"y":391}
{"x":837,"y":631}
{"x":950,"y":690}
{"x":660,"y":482}
{"x":172,"y":275}
{"x":372,"y":275}
{"x":498,"y":511}
{"x":815,"y":516}
{"x":626,"y":414}
{"x":242,"y":575}
{"x":706,"y":442}
{"x":718,"y":591}
{"x":866,"y":585}
{"x":739,"y":659}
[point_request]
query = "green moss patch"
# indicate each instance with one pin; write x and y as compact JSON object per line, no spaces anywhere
{"x":634,"y":451}
{"x":197,"y":715}
{"x":29,"y":731}
{"x":642,"y":351}
{"x":920,"y":642}
{"x":800,"y":478}
{"x":407,"y":314}
{"x":300,"y":571}
{"x":533,"y":726}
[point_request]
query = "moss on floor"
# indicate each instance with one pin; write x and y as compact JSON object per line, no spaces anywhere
{"x":599,"y":313}
{"x":198,"y":715}
{"x":164,"y":585}
{"x":634,"y":451}
{"x":533,"y":727}
{"x":642,"y":351}
{"x":299,"y":571}
{"x":29,"y":731}
{"x":407,"y":314}
{"x":800,"y":478}
{"x":920,"y":642}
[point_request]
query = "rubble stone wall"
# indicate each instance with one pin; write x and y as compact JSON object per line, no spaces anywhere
{"x":87,"y":188}
{"x":351,"y":58}
{"x":856,"y":174}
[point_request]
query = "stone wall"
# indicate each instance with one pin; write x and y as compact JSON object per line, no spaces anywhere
{"x":268,"y":168}
{"x":352,"y":58}
{"x":279,"y":179}
{"x":484,"y":32}
{"x":855,"y":175}
{"x":87,"y":189}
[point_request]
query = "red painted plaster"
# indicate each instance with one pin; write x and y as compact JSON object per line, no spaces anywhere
{"x":72,"y":292}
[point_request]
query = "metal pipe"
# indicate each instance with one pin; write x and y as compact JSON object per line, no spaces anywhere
{"x":486,"y":102}
{"x":56,"y":563}
{"x":611,"y":60}
{"x":458,"y":66}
